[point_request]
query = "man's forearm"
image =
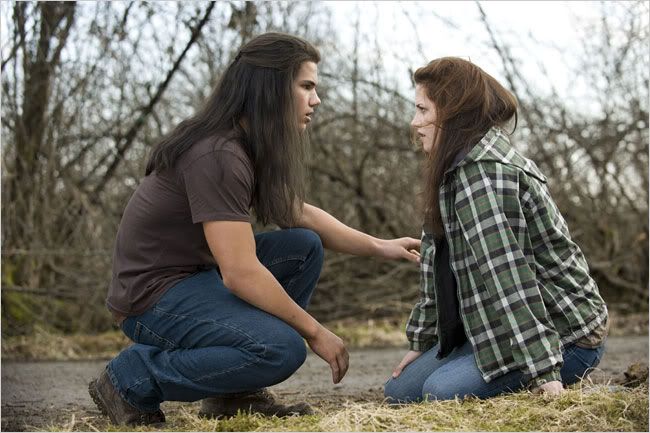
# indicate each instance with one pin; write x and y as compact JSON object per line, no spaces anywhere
{"x":257,"y":286}
{"x":336,"y":236}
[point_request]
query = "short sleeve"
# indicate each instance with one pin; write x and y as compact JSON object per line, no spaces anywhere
{"x":219,"y":187}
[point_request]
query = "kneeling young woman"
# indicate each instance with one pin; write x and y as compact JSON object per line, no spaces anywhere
{"x":507,"y":301}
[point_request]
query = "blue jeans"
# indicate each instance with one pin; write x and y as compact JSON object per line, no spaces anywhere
{"x":458,"y":376}
{"x":200,"y":340}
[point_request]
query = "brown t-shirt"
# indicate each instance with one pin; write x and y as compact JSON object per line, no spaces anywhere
{"x":160,"y":239}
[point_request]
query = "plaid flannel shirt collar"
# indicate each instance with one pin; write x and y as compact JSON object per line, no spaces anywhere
{"x":495,"y":146}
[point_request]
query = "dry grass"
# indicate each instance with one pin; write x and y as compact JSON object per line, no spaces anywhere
{"x":45,"y":345}
{"x":628,"y":324}
{"x":593,"y":409}
{"x":370,"y":333}
{"x":574,"y":411}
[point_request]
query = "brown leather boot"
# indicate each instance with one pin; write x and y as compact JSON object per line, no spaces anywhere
{"x":262,"y":402}
{"x":112,"y":405}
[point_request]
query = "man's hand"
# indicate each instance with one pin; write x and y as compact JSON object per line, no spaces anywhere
{"x":550,"y":388}
{"x":336,"y":236}
{"x":410,"y":356}
{"x":401,"y":248}
{"x":332,"y":349}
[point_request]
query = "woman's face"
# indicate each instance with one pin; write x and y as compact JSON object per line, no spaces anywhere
{"x":425,"y":116}
{"x":304,"y":92}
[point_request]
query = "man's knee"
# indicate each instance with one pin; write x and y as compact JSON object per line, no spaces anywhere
{"x":311,"y":242}
{"x":295,"y":351}
{"x":287,"y":353}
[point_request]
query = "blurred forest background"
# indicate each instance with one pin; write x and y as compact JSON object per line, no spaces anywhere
{"x":88,"y":88}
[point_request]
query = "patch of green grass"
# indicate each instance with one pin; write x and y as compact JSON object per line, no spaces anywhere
{"x":590,"y":409}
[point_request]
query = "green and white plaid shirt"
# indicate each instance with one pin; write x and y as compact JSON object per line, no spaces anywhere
{"x":523,"y":285}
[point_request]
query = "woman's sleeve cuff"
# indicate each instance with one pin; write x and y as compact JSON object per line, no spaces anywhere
{"x":549,"y":376}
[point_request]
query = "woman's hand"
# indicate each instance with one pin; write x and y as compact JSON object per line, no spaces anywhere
{"x":332,"y":350}
{"x":401,"y":248}
{"x":410,"y":356}
{"x":550,"y":388}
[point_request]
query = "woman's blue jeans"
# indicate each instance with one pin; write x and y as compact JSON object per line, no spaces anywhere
{"x":200,"y":340}
{"x":457,"y":375}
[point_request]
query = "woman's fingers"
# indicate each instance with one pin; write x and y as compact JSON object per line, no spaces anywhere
{"x":398,"y":370}
{"x":410,"y":356}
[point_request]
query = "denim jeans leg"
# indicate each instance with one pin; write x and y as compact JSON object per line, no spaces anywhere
{"x":460,"y":377}
{"x":295,"y":258}
{"x":200,"y":340}
{"x":407,"y":387}
{"x":578,"y":362}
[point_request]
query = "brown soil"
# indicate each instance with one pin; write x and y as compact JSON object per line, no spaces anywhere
{"x":36,"y":395}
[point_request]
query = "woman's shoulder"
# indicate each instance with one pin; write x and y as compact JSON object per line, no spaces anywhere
{"x":495,"y":155}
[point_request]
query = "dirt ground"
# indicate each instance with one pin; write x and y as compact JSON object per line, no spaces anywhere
{"x":36,"y":395}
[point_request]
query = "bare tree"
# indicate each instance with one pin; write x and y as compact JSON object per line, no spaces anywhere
{"x":597,"y":161}
{"x":88,"y":88}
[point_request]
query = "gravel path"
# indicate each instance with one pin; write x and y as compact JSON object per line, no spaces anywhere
{"x":38,"y":394}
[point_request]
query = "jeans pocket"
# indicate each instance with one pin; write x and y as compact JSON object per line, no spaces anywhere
{"x":144,"y":335}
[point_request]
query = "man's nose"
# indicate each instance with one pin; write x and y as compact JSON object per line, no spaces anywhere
{"x":314,"y":100}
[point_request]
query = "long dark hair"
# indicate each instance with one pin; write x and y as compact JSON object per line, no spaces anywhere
{"x":468,"y":102}
{"x":254,"y":99}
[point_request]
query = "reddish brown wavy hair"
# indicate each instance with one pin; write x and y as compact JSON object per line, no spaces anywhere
{"x":468,"y":102}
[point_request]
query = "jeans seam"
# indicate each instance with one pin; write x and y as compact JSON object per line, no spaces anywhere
{"x":230,"y":370}
{"x":114,"y":381}
{"x":214,"y":322}
{"x":137,"y":332}
{"x":297,"y":274}
{"x":230,"y":327}
{"x":570,"y":351}
{"x":280,"y":260}
{"x":586,"y":364}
